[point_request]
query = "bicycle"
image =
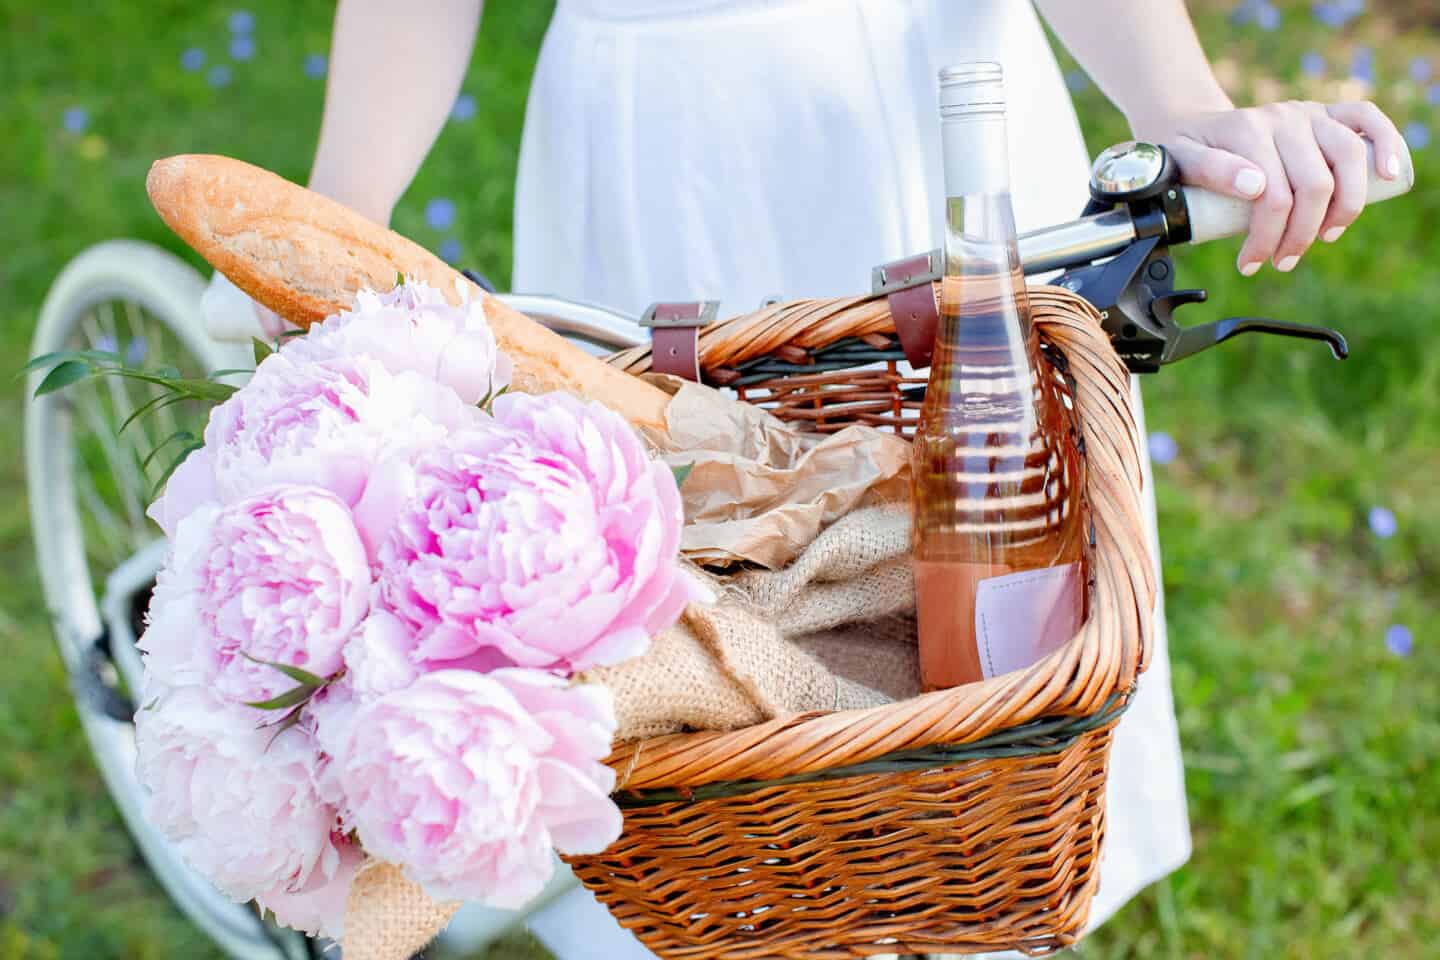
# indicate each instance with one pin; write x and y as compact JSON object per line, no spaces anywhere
{"x":89,"y":482}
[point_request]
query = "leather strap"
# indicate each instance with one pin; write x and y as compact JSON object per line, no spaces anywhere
{"x":907,"y":287}
{"x":675,"y":336}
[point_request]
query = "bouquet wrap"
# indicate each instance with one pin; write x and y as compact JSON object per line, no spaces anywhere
{"x":389,"y":917}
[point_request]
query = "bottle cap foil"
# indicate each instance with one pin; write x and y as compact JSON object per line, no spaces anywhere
{"x":973,"y":89}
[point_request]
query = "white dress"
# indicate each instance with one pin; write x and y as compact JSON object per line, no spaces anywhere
{"x":737,"y":149}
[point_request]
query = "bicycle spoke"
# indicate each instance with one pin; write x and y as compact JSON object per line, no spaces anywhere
{"x":157,"y":341}
{"x":104,"y":522}
{"x":137,"y":444}
{"x":130,"y":481}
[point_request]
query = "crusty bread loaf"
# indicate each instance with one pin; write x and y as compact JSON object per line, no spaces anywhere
{"x":304,"y":256}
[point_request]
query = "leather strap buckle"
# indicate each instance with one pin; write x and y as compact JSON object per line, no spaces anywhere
{"x":675,"y":337}
{"x":906,"y":285}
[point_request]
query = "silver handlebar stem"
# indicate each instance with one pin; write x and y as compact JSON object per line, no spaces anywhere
{"x":1079,"y":242}
{"x":600,"y":330}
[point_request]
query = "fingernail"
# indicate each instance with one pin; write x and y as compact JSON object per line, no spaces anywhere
{"x":1333,"y":234}
{"x":1249,"y":182}
{"x":1250,"y":269}
{"x":1392,"y":165}
{"x":1287,"y":264}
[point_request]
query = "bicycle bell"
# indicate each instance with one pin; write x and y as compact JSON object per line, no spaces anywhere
{"x":1130,"y":171}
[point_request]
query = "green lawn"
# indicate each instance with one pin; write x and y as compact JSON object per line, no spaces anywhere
{"x":1313,"y":784}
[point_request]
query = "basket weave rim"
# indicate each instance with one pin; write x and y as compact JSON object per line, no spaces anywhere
{"x":1077,"y":681}
{"x":1036,"y":738}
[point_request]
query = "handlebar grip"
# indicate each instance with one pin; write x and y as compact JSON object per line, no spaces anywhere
{"x":1214,"y":215}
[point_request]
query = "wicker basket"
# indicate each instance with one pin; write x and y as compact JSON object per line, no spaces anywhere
{"x":965,"y":820}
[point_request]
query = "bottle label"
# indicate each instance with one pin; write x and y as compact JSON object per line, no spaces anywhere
{"x":1022,"y":617}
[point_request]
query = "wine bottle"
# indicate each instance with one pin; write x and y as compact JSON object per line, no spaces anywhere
{"x":999,"y":521}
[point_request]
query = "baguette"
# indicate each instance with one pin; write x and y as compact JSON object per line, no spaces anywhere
{"x":305,"y":256}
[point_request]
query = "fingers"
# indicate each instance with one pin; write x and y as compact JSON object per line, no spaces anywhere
{"x":1216,"y":169}
{"x":1271,"y":211}
{"x":1370,"y":120}
{"x":1311,"y":187}
{"x":1345,"y":153}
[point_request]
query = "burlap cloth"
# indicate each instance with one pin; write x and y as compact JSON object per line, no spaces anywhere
{"x":805,"y":540}
{"x":833,"y":630}
{"x":388,"y":917}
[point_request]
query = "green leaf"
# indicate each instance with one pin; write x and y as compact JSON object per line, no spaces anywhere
{"x":399,"y":279}
{"x":64,"y":374}
{"x":287,"y":334}
{"x":89,"y":356}
{"x":289,"y":720}
{"x":154,"y":403}
{"x":491,"y":395}
{"x":261,"y":350}
{"x":290,"y":698}
{"x":681,"y":472}
{"x":198,"y":388}
{"x":177,"y":435}
{"x":228,"y":372}
{"x":304,"y":677}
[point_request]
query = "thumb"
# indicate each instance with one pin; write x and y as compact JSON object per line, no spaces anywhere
{"x":1217,"y":170}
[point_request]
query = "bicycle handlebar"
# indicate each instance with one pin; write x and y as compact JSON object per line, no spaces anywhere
{"x":1212,"y":216}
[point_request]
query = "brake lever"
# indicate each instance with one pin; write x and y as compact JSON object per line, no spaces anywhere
{"x":1191,"y":340}
{"x":1136,"y":297}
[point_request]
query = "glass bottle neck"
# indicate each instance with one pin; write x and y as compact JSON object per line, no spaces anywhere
{"x":975,"y":151}
{"x":978,"y":210}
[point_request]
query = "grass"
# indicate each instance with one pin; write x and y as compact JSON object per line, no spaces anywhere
{"x":1311,"y":749}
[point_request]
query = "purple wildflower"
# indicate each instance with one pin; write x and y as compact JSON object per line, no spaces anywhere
{"x":449,"y":250}
{"x":192,"y":59}
{"x":136,"y":350}
{"x":1362,"y":65}
{"x":1383,"y":523}
{"x":463,"y":109}
{"x":242,"y":47}
{"x":219,"y":76}
{"x":1163,"y":448}
{"x":242,"y":21}
{"x":1399,"y":640}
{"x":315,"y":65}
{"x":440,"y":213}
{"x":75,"y":119}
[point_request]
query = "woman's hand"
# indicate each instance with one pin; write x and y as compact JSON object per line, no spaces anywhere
{"x":1303,"y":163}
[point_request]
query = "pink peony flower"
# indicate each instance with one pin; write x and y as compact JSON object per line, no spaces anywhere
{"x":467,"y":780}
{"x":318,"y":908}
{"x":413,"y":327}
{"x":240,"y":802}
{"x":280,"y":576}
{"x":324,"y":424}
{"x":378,"y":660}
{"x":549,"y":537}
